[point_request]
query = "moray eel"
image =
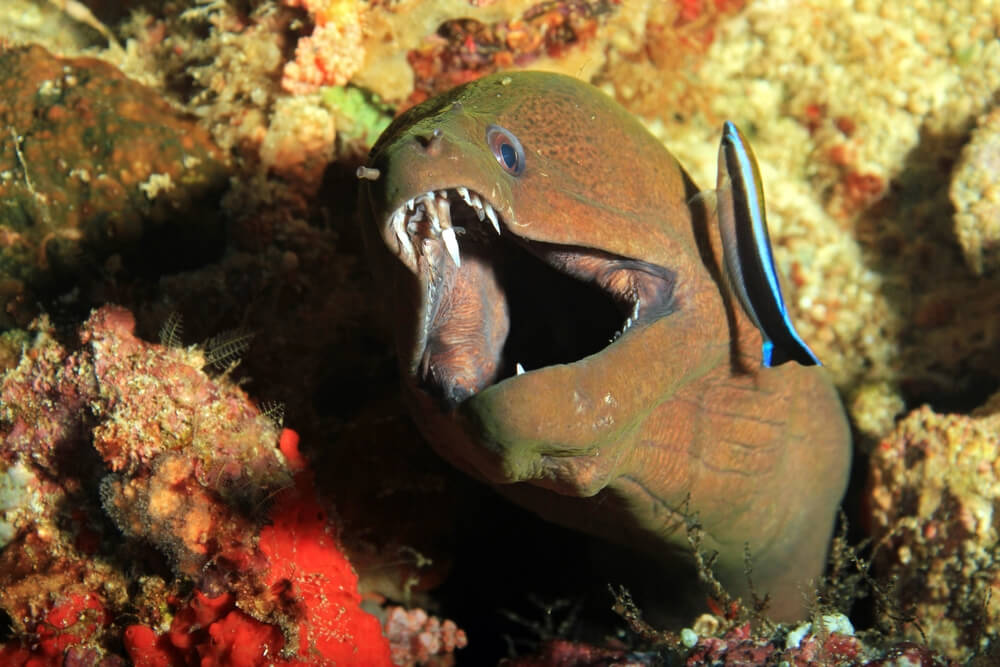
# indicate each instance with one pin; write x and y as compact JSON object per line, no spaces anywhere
{"x":577,"y":327}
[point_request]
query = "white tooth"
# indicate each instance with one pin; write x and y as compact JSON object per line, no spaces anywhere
{"x":397,"y":219}
{"x":409,"y":205}
{"x":451,"y":243}
{"x":464,"y":194}
{"x":418,"y":216}
{"x":478,"y":205}
{"x":433,"y":215}
{"x":519,"y":369}
{"x":492,"y":215}
{"x":403,"y":239}
{"x":444,"y":212}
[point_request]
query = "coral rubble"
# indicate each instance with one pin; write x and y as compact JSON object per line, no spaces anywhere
{"x":933,"y":490}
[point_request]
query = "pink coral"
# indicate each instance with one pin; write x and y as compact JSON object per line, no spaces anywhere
{"x":417,"y":639}
{"x":334,"y":51}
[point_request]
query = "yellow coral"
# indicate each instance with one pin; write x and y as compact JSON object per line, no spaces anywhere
{"x":300,"y":140}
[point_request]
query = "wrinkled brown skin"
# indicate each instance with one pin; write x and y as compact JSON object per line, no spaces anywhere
{"x":679,"y":410}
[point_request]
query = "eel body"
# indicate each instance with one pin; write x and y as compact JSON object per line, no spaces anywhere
{"x":570,"y":329}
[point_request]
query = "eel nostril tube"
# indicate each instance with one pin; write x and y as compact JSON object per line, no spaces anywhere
{"x":432,"y":142}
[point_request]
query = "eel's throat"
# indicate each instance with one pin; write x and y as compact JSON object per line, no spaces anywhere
{"x":494,"y":305}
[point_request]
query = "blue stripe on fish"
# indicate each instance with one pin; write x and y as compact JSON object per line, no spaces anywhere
{"x":747,"y":251}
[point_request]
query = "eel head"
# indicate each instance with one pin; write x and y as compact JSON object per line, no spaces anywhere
{"x":525,"y":271}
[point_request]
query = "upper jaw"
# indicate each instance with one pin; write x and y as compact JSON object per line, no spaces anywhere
{"x":423,"y":224}
{"x":487,"y":307}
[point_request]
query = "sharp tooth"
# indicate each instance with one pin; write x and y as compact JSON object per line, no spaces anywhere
{"x":402,"y":238}
{"x":451,"y":243}
{"x":409,"y":205}
{"x":418,"y":216}
{"x":492,"y":215}
{"x":433,"y":215}
{"x":443,"y":210}
{"x":478,"y":205}
{"x":464,"y":194}
{"x":518,"y":368}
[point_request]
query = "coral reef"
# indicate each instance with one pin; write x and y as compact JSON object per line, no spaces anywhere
{"x":468,"y":49}
{"x":933,"y":492}
{"x":836,"y":644}
{"x":93,"y":164}
{"x":417,"y":639}
{"x":334,"y":51}
{"x":392,"y":31}
{"x":137,"y":490}
{"x":975,"y":192}
{"x":855,"y":129}
{"x":26,"y":22}
{"x":138,"y":432}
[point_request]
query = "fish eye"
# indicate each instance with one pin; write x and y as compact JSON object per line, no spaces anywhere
{"x":506,"y":149}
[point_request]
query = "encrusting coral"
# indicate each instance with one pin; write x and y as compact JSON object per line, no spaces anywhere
{"x":92,"y":164}
{"x":933,"y":495}
{"x":139,"y":433}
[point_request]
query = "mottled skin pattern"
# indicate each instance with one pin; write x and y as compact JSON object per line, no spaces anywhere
{"x":676,"y":413}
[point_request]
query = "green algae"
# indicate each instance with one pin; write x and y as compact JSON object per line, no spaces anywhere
{"x":360,"y":116}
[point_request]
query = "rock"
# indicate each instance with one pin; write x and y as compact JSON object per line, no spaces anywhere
{"x":975,"y":192}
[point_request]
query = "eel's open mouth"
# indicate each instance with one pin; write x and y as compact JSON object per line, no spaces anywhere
{"x":496,"y":305}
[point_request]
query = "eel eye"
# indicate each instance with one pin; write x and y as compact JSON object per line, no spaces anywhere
{"x":506,"y":149}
